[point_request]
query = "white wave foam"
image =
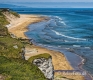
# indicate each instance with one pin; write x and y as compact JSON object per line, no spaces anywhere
{"x":50,"y":46}
{"x":59,"y":46}
{"x":58,"y":17}
{"x":62,"y":22}
{"x":57,"y":33}
{"x":76,"y":45}
{"x":87,"y":47}
{"x":66,"y":41}
{"x":67,"y":48}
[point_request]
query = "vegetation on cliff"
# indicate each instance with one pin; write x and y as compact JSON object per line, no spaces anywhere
{"x":8,"y":49}
{"x":45,"y":55}
{"x":15,"y":14}
{"x":18,"y":69}
{"x":12,"y":66}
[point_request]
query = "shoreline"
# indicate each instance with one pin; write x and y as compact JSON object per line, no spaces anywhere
{"x":16,"y":28}
{"x":20,"y":25}
{"x":21,"y":28}
{"x":81,"y":67}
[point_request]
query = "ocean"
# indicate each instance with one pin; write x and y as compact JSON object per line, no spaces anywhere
{"x":67,"y":30}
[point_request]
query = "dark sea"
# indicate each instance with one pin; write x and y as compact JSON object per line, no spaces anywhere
{"x":68,"y":30}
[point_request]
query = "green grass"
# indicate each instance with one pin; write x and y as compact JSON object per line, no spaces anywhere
{"x":3,"y":20}
{"x":45,"y":55}
{"x":17,"y":69}
{"x":15,"y":14}
{"x":3,"y":31}
{"x":7,"y":49}
{"x":12,"y":67}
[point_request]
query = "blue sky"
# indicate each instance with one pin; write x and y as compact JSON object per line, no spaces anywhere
{"x":46,"y":0}
{"x":86,"y":4}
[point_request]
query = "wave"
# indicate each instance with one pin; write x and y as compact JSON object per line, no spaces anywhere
{"x":87,"y":47}
{"x":58,"y":17}
{"x":57,"y":33}
{"x":52,"y":22}
{"x":66,"y":41}
{"x":62,"y":22}
{"x":76,"y":45}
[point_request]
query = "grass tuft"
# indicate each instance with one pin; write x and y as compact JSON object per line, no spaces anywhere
{"x":17,"y":69}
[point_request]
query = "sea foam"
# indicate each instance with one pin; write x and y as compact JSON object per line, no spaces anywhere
{"x":57,"y":33}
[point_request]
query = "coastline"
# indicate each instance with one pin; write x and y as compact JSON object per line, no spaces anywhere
{"x":58,"y":59}
{"x":19,"y":30}
{"x":19,"y":27}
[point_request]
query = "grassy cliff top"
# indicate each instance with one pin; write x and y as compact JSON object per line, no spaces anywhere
{"x":17,"y":69}
{"x":45,"y":55}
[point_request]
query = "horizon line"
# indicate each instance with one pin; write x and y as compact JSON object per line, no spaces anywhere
{"x":49,"y":2}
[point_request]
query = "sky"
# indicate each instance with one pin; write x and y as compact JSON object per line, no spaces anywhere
{"x":86,"y":4}
{"x":46,"y":0}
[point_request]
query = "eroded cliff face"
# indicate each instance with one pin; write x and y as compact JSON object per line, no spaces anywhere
{"x":9,"y":16}
{"x":45,"y":65}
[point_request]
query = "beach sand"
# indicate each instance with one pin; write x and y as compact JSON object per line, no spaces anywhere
{"x":19,"y":26}
{"x":58,"y":59}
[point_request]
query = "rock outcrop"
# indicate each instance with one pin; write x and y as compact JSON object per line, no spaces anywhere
{"x":45,"y":65}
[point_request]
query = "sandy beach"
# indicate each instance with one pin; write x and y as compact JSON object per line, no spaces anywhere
{"x":19,"y":26}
